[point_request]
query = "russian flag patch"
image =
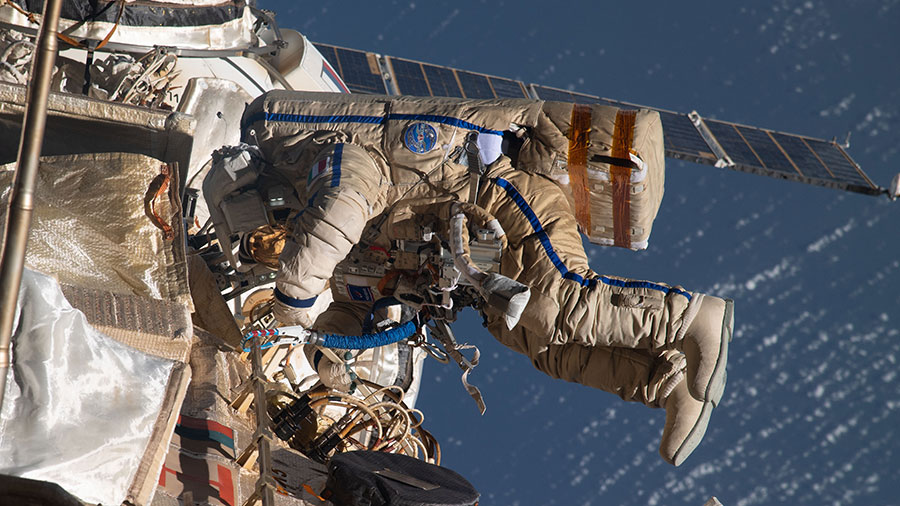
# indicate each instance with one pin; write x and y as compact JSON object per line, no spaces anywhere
{"x":329,"y":74}
{"x":360,"y":293}
{"x":319,"y":168}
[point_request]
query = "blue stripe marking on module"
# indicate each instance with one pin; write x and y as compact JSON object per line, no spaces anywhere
{"x":290,"y":301}
{"x":444,"y":120}
{"x":532,"y":218}
{"x":336,"y":165}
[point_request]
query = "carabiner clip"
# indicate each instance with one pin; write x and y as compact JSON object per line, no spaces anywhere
{"x":435,"y":352}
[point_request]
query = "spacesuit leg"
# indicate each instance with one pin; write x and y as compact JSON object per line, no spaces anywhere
{"x":394,"y":364}
{"x":632,"y":374}
{"x":344,"y":190}
{"x":571,"y":304}
{"x":620,"y":335}
{"x":609,"y":314}
{"x":656,"y":379}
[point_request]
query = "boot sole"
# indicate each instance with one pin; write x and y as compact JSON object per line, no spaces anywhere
{"x":694,"y":437}
{"x":716,"y":386}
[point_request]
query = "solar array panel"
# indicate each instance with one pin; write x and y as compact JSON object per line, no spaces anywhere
{"x":474,"y":85}
{"x":683,"y":141}
{"x":358,"y":69}
{"x":556,"y":95}
{"x":442,"y":81}
{"x":789,"y":156}
{"x":410,"y":78}
{"x":507,"y":88}
{"x":687,"y":137}
{"x":422,"y":79}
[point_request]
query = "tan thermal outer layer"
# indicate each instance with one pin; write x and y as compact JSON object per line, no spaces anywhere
{"x":610,"y":333}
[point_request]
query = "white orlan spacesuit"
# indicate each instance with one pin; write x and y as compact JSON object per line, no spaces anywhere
{"x":353,"y":158}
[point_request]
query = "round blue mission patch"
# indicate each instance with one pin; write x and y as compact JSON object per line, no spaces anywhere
{"x":420,"y":137}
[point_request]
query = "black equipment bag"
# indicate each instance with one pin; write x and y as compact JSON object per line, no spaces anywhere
{"x":366,"y":478}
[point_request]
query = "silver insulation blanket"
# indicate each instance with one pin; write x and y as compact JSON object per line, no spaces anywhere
{"x":79,"y":406}
{"x":94,"y":227}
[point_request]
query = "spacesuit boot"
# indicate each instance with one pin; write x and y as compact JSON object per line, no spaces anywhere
{"x":686,"y":422}
{"x":705,"y":345}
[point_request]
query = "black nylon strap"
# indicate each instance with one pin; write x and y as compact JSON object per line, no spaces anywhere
{"x":618,"y":162}
{"x":476,"y":167}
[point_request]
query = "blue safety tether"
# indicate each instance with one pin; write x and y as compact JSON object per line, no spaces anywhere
{"x":366,"y":341}
{"x":360,"y":342}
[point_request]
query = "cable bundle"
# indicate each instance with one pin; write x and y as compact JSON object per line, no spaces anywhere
{"x":378,"y":422}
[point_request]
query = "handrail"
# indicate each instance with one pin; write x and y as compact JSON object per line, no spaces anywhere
{"x":21,"y":202}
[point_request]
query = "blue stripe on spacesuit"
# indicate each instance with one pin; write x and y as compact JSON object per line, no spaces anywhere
{"x":377,"y":120}
{"x":306,"y":118}
{"x":290,"y":301}
{"x":336,"y":165}
{"x":542,"y":236}
{"x":643,"y":284}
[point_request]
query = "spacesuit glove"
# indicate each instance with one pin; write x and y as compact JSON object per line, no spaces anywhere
{"x":288,"y":315}
{"x":336,"y":376}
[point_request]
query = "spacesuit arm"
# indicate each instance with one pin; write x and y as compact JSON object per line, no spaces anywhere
{"x":342,"y":186}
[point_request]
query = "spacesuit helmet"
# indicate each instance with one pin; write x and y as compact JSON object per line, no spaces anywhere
{"x":248,"y":202}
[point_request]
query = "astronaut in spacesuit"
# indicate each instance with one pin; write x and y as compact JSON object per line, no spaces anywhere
{"x":550,"y":170}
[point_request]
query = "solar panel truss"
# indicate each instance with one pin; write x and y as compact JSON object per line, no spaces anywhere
{"x":687,"y":136}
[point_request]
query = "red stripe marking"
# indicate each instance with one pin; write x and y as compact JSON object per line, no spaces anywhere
{"x":225,"y":485}
{"x":196,"y":423}
{"x":337,"y":79}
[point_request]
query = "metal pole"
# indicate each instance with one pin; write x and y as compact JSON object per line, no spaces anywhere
{"x":265,"y":487}
{"x":21,"y":202}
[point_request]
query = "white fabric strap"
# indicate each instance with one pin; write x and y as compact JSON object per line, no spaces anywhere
{"x":689,"y":314}
{"x":495,"y":227}
{"x":669,"y":387}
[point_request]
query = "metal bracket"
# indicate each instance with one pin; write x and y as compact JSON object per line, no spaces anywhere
{"x":846,"y":143}
{"x":387,"y":77}
{"x":722,"y":158}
